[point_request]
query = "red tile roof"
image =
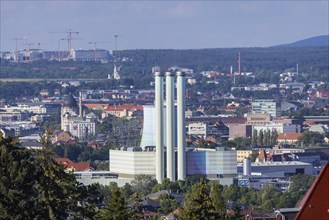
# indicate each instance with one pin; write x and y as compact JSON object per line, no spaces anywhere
{"x":96,"y":105}
{"x":174,"y":213}
{"x":124,"y":107}
{"x":64,"y":161}
{"x":69,"y":164}
{"x":309,"y":122}
{"x":289,"y":136}
{"x":81,"y":166}
{"x":315,"y":204}
{"x":149,"y":214}
{"x":262,"y":154}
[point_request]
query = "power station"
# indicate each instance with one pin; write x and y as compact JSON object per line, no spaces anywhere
{"x":162,"y":152}
{"x":170,"y":125}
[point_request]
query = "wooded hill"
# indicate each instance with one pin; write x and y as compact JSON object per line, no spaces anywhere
{"x":312,"y":61}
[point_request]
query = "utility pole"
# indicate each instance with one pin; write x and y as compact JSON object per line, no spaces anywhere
{"x":116,"y":43}
{"x":239,"y":64}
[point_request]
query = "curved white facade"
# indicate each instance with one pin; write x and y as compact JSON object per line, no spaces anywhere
{"x":208,"y":162}
{"x":148,"y":136}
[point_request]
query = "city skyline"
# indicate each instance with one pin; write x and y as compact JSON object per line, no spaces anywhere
{"x":159,"y":25}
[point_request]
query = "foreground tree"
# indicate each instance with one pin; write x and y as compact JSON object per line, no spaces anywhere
{"x":309,"y":138}
{"x":167,"y":203}
{"x":216,"y":195}
{"x":198,"y":203}
{"x":34,"y":186}
{"x":116,"y":208}
{"x":16,"y":182}
{"x":143,"y":184}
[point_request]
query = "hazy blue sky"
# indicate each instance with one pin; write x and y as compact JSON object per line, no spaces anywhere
{"x":162,"y":24}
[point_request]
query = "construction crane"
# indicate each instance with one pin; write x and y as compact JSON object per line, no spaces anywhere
{"x":69,"y":37}
{"x":16,"y":40}
{"x":94,"y":43}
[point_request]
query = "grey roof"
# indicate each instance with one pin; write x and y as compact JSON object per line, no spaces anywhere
{"x":31,"y":144}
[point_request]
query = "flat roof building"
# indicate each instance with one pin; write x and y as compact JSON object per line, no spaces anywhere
{"x":276,"y":169}
{"x":265,"y":106}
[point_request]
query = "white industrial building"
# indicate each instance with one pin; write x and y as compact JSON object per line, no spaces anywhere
{"x":278,"y":169}
{"x":215,"y":164}
{"x":130,"y":162}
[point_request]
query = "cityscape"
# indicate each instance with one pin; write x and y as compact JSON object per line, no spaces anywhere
{"x":125,"y":133}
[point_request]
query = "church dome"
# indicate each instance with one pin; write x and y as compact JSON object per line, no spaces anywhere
{"x":70,"y":101}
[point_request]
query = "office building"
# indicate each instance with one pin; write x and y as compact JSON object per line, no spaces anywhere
{"x":265,"y":106}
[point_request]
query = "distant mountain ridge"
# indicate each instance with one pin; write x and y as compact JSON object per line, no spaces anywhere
{"x":322,"y":40}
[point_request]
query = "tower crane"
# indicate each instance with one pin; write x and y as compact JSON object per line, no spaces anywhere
{"x":116,"y":42}
{"x":69,"y":38}
{"x":94,"y":43}
{"x":16,"y":40}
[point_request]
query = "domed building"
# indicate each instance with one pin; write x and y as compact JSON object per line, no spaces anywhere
{"x":72,"y":119}
{"x":69,"y":109}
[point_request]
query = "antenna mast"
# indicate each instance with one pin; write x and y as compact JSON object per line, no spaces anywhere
{"x":239,"y":64}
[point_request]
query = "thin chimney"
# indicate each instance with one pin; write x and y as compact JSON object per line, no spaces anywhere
{"x":170,"y":111}
{"x":159,"y":173}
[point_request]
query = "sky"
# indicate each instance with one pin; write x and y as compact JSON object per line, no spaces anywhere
{"x":159,"y":24}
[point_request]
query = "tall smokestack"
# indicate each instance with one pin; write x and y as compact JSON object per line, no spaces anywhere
{"x":159,"y":170}
{"x":80,"y":104}
{"x":170,"y":110}
{"x":232,"y":75}
{"x":181,"y":152}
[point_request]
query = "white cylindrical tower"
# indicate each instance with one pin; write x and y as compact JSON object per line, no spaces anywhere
{"x":80,"y":105}
{"x":181,"y":151}
{"x":159,"y":172}
{"x":170,"y":111}
{"x":246,"y":166}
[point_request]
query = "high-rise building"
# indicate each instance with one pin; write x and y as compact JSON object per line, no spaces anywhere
{"x":265,"y":106}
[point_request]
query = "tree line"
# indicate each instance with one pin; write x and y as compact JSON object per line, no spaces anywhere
{"x":264,"y":138}
{"x":34,"y":186}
